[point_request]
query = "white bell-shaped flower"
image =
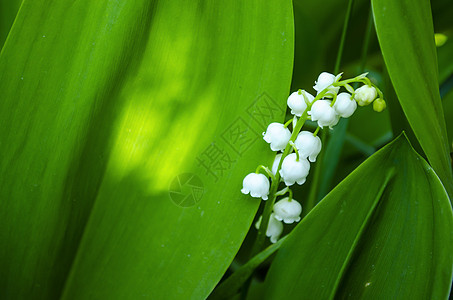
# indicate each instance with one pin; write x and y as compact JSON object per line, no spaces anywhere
{"x":257,"y":185}
{"x":275,"y":164}
{"x":365,"y":94}
{"x":298,"y":102}
{"x":308,"y":145}
{"x":335,"y":122}
{"x":287,"y":210}
{"x":324,"y":80}
{"x":294,"y":170}
{"x":274,"y":228}
{"x":277,"y":135}
{"x":322,"y":112}
{"x":345,"y":105}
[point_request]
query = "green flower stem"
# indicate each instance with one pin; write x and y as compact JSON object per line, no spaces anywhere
{"x":268,"y":207}
{"x":367,"y":81}
{"x":380,"y":94}
{"x":295,"y":150}
{"x":265,"y":169}
{"x":312,"y":196}
{"x":364,"y":80}
{"x":350,"y":89}
{"x":333,"y":100}
{"x":284,"y":191}
{"x":261,"y":236}
{"x":287,"y":123}
{"x":351,"y":80}
{"x":316,"y":131}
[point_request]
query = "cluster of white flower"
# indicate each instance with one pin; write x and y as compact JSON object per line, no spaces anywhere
{"x":327,"y":107}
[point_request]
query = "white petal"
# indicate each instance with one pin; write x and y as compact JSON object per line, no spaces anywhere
{"x":274,"y":229}
{"x":308,"y":145}
{"x":277,"y":135}
{"x":345,"y":105}
{"x":293,"y":170}
{"x":324,"y":80}
{"x":278,"y":217}
{"x":276,"y":162}
{"x":287,"y":210}
{"x":257,"y":185}
{"x":365,"y":94}
{"x":302,"y":181}
{"x":297,"y":103}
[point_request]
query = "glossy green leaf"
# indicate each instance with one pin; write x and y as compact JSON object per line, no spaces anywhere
{"x":385,"y":232}
{"x":398,"y":120}
{"x":232,"y":284}
{"x":8,"y":11}
{"x":412,"y":67}
{"x":129,"y":128}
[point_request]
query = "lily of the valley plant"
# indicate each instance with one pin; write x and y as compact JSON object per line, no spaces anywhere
{"x":297,"y":149}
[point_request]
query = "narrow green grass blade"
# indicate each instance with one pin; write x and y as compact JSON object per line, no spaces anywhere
{"x":412,"y":67}
{"x":108,"y":105}
{"x":385,"y":232}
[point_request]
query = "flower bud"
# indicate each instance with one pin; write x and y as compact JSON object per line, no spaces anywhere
{"x":257,"y":185}
{"x":277,"y":135}
{"x":379,"y":105}
{"x":274,"y":228}
{"x":322,"y":112}
{"x":294,"y":170}
{"x":365,"y":94}
{"x":324,"y":80}
{"x":287,"y":210}
{"x":308,"y":145}
{"x":345,"y":106}
{"x":297,"y":101}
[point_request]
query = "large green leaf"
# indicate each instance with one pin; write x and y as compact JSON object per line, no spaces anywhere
{"x":8,"y":11}
{"x":230,"y":286}
{"x":385,"y":232}
{"x":105,"y":105}
{"x":406,"y":36}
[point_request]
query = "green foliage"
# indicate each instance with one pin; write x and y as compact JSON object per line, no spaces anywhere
{"x":412,"y":67}
{"x":128,"y":127}
{"x":105,"y":103}
{"x":384,"y":232}
{"x":231,"y":286}
{"x":8,"y":10}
